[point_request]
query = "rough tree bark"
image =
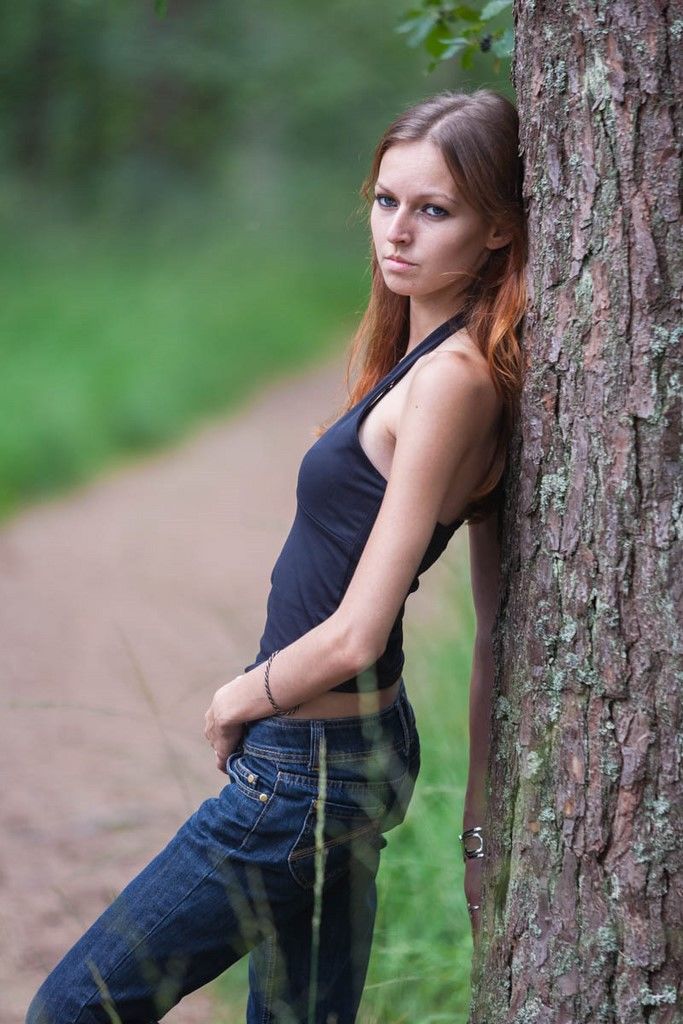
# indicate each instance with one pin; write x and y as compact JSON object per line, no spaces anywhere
{"x":583,"y":894}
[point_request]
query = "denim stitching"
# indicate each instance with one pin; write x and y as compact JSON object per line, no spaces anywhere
{"x":295,"y":855}
{"x":312,"y":782}
{"x":270,"y":975}
{"x":207,"y":874}
{"x":276,"y":755}
{"x":314,"y":745}
{"x":240,"y":781}
{"x":398,"y":707}
{"x":404,"y":725}
{"x":306,"y":851}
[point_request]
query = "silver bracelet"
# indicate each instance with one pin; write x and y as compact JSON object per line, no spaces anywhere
{"x":479,"y":851}
{"x":278,"y":710}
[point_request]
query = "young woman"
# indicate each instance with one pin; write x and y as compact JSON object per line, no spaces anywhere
{"x":317,"y":736}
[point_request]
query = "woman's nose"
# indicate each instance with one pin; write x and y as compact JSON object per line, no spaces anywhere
{"x":398,"y":228}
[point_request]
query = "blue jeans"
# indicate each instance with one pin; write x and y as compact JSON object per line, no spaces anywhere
{"x":280,"y":865}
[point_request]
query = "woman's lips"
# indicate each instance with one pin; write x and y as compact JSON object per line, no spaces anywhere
{"x":397,"y":263}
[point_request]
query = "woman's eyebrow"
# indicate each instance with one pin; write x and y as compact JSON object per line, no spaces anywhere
{"x":421,"y":195}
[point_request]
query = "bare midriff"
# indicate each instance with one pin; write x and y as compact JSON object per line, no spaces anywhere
{"x":343,"y":705}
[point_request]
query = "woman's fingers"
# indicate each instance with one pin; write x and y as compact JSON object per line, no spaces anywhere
{"x":222,"y":748}
{"x":223,"y":739}
{"x":214,"y":737}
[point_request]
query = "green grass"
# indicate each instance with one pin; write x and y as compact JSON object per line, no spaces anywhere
{"x":419,"y":969}
{"x":420,"y":965}
{"x":117,"y":340}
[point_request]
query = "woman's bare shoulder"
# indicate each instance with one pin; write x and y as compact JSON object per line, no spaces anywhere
{"x":463,"y":344}
{"x":461,"y":351}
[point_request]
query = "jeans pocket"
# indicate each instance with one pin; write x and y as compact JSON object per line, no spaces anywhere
{"x":252,"y":776}
{"x":402,"y":792}
{"x":335,"y":837}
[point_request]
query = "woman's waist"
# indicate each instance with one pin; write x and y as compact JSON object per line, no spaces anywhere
{"x":338,"y":704}
{"x":350,"y":725}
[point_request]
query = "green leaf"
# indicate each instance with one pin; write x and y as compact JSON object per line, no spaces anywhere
{"x":419,"y":27}
{"x":494,"y":7}
{"x":161,"y":7}
{"x":433,"y":43}
{"x":429,"y":26}
{"x":466,"y":13}
{"x":467,"y":59}
{"x":456,"y":44}
{"x":461,"y":40}
{"x":410,"y":17}
{"x":504,"y":46}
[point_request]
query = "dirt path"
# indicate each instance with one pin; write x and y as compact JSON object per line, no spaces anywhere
{"x":122,"y":607}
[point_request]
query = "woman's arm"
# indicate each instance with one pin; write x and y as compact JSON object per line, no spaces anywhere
{"x":450,"y":411}
{"x":485,"y":577}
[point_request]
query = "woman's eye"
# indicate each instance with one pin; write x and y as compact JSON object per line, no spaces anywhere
{"x":440,"y":212}
{"x":387,"y":203}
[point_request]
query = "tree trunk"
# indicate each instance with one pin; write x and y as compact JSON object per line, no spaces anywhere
{"x":583,"y":892}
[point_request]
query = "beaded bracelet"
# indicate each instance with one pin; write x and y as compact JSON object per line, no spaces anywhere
{"x":278,"y":710}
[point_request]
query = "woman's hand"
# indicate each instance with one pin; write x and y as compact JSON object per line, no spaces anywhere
{"x":220,"y":730}
{"x":473,"y":872}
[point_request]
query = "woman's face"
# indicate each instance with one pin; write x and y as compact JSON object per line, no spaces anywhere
{"x":419,"y":216}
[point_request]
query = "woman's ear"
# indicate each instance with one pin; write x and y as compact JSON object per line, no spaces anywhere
{"x":497,"y":238}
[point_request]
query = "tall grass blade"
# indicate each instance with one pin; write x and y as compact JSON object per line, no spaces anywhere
{"x":319,"y":879}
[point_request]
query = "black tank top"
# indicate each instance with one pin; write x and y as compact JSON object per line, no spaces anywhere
{"x":339,"y":492}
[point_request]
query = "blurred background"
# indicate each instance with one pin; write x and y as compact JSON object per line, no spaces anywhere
{"x":184,"y":247}
{"x":162,"y":176}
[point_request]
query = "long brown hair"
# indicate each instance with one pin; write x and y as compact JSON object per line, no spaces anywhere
{"x":477,"y":134}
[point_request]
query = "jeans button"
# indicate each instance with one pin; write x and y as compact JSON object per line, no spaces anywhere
{"x":263,"y":797}
{"x":251,"y":777}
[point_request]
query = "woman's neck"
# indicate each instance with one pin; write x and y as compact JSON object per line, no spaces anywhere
{"x":425,"y":319}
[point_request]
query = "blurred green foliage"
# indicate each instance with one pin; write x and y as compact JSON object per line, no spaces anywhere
{"x":178,"y":204}
{"x":447,"y":30}
{"x":112,"y":101}
{"x":110,"y":348}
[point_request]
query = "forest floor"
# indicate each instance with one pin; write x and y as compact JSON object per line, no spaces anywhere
{"x":123,"y":606}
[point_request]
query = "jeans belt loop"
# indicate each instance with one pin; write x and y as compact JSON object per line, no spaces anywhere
{"x":314,"y":755}
{"x":403,"y":718}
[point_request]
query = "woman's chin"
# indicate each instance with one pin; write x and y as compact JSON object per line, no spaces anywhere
{"x":399,"y":287}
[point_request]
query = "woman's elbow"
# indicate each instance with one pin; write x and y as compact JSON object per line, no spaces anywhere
{"x":360,"y":646}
